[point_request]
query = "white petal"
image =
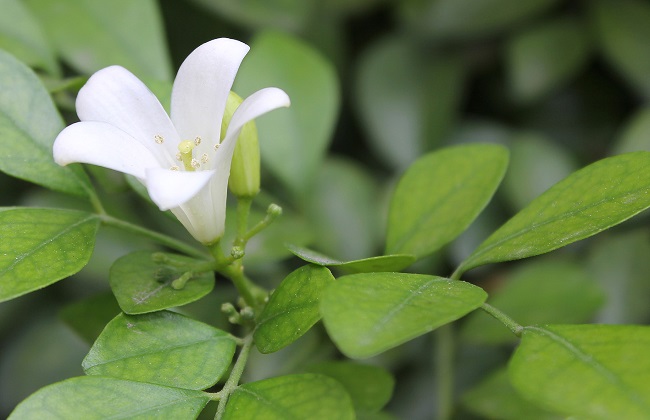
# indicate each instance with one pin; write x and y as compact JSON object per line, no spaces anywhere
{"x":170,"y":189}
{"x":258,"y":104}
{"x":115,"y":96}
{"x":201,"y":89}
{"x":102,"y":144}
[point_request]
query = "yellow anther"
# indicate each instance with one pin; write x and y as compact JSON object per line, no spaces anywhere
{"x":197,"y":140}
{"x":174,"y":168}
{"x":216,"y":146}
{"x":158,"y":139}
{"x":204,"y":158}
{"x":195,"y":164}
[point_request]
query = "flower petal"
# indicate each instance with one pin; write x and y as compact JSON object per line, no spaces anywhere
{"x":170,"y":189}
{"x":201,"y":89}
{"x":101,"y":144}
{"x":115,"y":96}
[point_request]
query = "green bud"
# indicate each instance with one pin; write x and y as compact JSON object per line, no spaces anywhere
{"x":245,"y":169}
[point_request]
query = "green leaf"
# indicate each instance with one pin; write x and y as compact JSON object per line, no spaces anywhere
{"x":366,"y":314}
{"x":440,"y":195}
{"x":305,"y":396}
{"x":370,"y":387}
{"x":142,"y":285}
{"x":544,"y":292}
{"x":93,"y":397}
{"x":543,"y":58}
{"x":402,"y":118}
{"x":91,"y":35}
{"x":622,"y":26}
{"x":589,"y":201}
{"x":42,"y":246}
{"x":89,"y":316}
{"x":462,"y":19}
{"x":292,"y":308}
{"x":495,"y":398}
{"x":163,"y":348}
{"x":293,"y":141}
{"x":365,"y":265}
{"x":21,"y":36}
{"x":29,"y":123}
{"x":585,"y":371}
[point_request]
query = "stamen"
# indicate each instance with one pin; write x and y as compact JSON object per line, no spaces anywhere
{"x":174,"y":168}
{"x":195,"y":164}
{"x":178,"y":156}
{"x":204,"y":158}
{"x":158,"y":139}
{"x":185,"y":148}
{"x":197,"y":140}
{"x":216,"y":146}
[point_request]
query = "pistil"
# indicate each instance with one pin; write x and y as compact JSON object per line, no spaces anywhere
{"x":185,"y":148}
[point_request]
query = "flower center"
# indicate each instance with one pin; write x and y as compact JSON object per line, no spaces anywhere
{"x":185,"y":155}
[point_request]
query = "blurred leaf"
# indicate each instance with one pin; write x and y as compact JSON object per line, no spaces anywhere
{"x":589,"y":201}
{"x":461,"y":19}
{"x":42,"y":246}
{"x":305,"y":396}
{"x":94,"y":397}
{"x":586,"y":371}
{"x":536,"y":164}
{"x":543,"y":58}
{"x":370,"y":387}
{"x":495,"y":398}
{"x":91,"y":35}
{"x":29,"y":122}
{"x":622,"y":26}
{"x":292,"y":308}
{"x":365,"y":265}
{"x":366,"y":314}
{"x":620,"y":264}
{"x":88,"y":317}
{"x":635,"y":135}
{"x":547,"y":291}
{"x":344,"y":211}
{"x":288,"y":15}
{"x":293,"y":141}
{"x":163,"y":348}
{"x":21,"y":36}
{"x":142,"y":285}
{"x":407,"y":100}
{"x":440,"y":195}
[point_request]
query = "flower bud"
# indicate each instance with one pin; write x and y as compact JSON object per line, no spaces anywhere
{"x":244,"y":178}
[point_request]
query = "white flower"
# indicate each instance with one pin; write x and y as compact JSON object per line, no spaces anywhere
{"x":179,"y":159}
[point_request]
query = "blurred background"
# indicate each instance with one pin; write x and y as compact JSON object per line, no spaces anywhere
{"x":374,"y":85}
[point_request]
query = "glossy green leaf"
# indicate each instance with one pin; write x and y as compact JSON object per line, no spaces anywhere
{"x":90,"y":35}
{"x":440,"y":195}
{"x":536,"y":164}
{"x":543,"y":292}
{"x":21,"y":36}
{"x":163,"y":348}
{"x":366,"y":314}
{"x":495,"y":398}
{"x":292,"y":308}
{"x":370,"y":387}
{"x":142,"y":285}
{"x":305,"y":396}
{"x":458,"y":19}
{"x":543,"y":58}
{"x":403,"y":119}
{"x":293,"y":141}
{"x":29,"y":123}
{"x":343,"y":210}
{"x":89,"y":316}
{"x":635,"y":135}
{"x":42,"y":246}
{"x":585,"y":371}
{"x":622,"y":26}
{"x":365,"y":265}
{"x":93,"y":397}
{"x":589,"y":201}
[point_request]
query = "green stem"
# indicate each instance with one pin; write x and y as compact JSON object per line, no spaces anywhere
{"x":234,"y":270}
{"x":272,"y":213}
{"x":235,"y":375}
{"x":444,"y":365}
{"x":158,"y":237}
{"x":516,"y":328}
{"x":243,"y":210}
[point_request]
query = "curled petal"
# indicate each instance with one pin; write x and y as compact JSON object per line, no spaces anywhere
{"x":113,"y":95}
{"x":201,"y":89}
{"x":170,"y":189}
{"x":258,"y":104}
{"x":102,"y":144}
